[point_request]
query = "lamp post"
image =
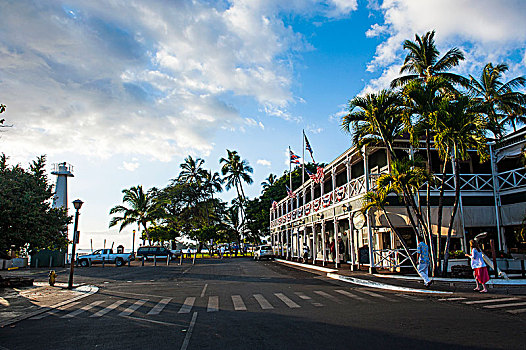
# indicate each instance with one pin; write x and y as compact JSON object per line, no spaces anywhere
{"x":77,"y":203}
{"x":133,"y":243}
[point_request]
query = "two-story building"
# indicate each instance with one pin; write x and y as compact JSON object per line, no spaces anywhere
{"x":492,"y":200}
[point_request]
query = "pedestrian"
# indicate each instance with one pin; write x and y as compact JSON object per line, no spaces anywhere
{"x":341,"y":248}
{"x":306,"y":252}
{"x":480,"y":271}
{"x":222,"y":251}
{"x":332,"y":249}
{"x":422,"y":253}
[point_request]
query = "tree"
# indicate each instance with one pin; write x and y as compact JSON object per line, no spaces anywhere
{"x":269,"y":181}
{"x":141,"y":210}
{"x":423,"y":61}
{"x":27,"y":218}
{"x":192,"y":170}
{"x":501,"y":102}
{"x":459,"y":127}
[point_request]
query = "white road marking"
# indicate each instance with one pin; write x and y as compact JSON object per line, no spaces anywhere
{"x":303,"y":296}
{"x":204,"y":290}
{"x":187,"y":306}
{"x":516,"y":311}
{"x":452,"y":299}
{"x":54,"y":311}
{"x":410,"y":297}
{"x":156,"y":310}
{"x":328,"y":296}
{"x":82,"y":309}
{"x":265,"y":305}
{"x":213,"y":304}
{"x":504,"y":305}
{"x":109,"y":308}
{"x":151,"y":321}
{"x":239,"y":305}
{"x":486,"y":301}
{"x":286,"y":300}
{"x":376,"y":295}
{"x":131,"y":309}
{"x":351,"y":295}
{"x":186,"y":340}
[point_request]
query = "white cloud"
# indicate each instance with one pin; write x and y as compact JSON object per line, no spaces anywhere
{"x":264,"y":162}
{"x":488,"y":37}
{"x":337,"y":117}
{"x":152,"y":78}
{"x":130,"y":166}
{"x":253,"y":122}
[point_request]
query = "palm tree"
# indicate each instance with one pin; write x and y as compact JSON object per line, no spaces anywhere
{"x":269,"y":181}
{"x":236,"y":171}
{"x":141,"y":211}
{"x":192,"y":171}
{"x":459,"y":127}
{"x":423,"y":61}
{"x":501,"y":102}
{"x":375,"y":119}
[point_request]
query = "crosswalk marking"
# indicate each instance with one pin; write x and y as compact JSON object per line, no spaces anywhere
{"x":286,"y":300}
{"x":376,"y":295}
{"x":328,"y":296}
{"x":485,"y":301}
{"x":452,"y":299}
{"x":351,"y":295}
{"x":303,"y":296}
{"x":131,"y":309}
{"x":82,"y":309}
{"x":265,"y":305}
{"x":213,"y":304}
{"x":504,"y":305}
{"x":516,"y":311}
{"x":54,"y":311}
{"x":187,"y":306}
{"x":159,"y":307}
{"x":109,"y":308}
{"x":410,"y":297}
{"x":239,"y":305}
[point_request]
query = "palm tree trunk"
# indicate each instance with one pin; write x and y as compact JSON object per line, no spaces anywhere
{"x":401,"y":239}
{"x":453,"y":214}
{"x":428,"y":203}
{"x":440,"y":211}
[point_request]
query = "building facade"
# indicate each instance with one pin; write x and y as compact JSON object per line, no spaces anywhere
{"x":492,"y":200}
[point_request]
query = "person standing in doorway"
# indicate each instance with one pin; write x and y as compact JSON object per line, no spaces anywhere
{"x":332,"y":250}
{"x":480,"y":271}
{"x":422,"y":253}
{"x":306,"y":251}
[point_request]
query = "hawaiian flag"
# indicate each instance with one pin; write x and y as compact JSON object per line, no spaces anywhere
{"x":290,"y":193}
{"x":294,"y":159}
{"x":308,"y":147}
{"x":311,"y":175}
{"x":274,"y":205}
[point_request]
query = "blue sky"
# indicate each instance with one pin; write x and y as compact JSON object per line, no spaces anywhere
{"x":125,"y":90}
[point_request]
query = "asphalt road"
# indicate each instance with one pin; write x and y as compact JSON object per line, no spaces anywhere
{"x":243,"y":304}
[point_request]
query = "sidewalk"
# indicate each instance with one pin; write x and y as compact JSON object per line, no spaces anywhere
{"x":17,"y":304}
{"x":412,"y":284}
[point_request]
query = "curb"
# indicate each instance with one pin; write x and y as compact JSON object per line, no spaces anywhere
{"x":495,"y":282}
{"x":311,"y":267}
{"x":361,"y":282}
{"x":87,"y":290}
{"x":378,"y":285}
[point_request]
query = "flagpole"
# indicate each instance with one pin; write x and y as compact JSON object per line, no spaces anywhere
{"x":290,"y":170}
{"x":303,"y":158}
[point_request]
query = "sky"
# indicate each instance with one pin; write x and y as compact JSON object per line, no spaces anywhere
{"x":125,"y":90}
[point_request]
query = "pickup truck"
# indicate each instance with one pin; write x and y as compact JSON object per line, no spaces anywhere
{"x":107,"y":254}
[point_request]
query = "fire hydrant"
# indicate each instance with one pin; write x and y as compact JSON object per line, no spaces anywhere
{"x":52,"y":277}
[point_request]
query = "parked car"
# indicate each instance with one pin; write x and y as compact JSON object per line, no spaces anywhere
{"x":105,"y":255}
{"x":263,"y":252}
{"x":149,"y":252}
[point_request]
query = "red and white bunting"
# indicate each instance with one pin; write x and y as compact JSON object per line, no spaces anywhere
{"x":327,"y":200}
{"x":293,"y":214}
{"x":341,"y":192}
{"x":289,"y":216}
{"x":300,"y":212}
{"x":307,"y":208}
{"x":316,"y":204}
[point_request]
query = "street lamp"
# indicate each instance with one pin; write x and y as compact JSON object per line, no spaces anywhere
{"x":133,"y":243}
{"x":77,"y":203}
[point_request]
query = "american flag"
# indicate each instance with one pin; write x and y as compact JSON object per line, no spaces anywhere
{"x":319,"y":174}
{"x":290,"y":193}
{"x":294,"y":159}
{"x":308,"y":147}
{"x":274,"y":205}
{"x":312,"y":176}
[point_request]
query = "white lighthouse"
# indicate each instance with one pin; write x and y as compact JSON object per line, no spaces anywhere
{"x":63,"y":171}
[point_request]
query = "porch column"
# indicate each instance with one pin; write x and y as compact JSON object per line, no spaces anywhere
{"x":496,"y":197}
{"x":314,"y":244}
{"x":281,"y":240}
{"x":323,"y":243}
{"x":351,"y":242}
{"x":336,"y":246}
{"x":369,"y":226}
{"x":298,"y":242}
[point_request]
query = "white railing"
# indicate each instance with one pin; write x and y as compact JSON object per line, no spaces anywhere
{"x":392,"y":258}
{"x":512,"y":179}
